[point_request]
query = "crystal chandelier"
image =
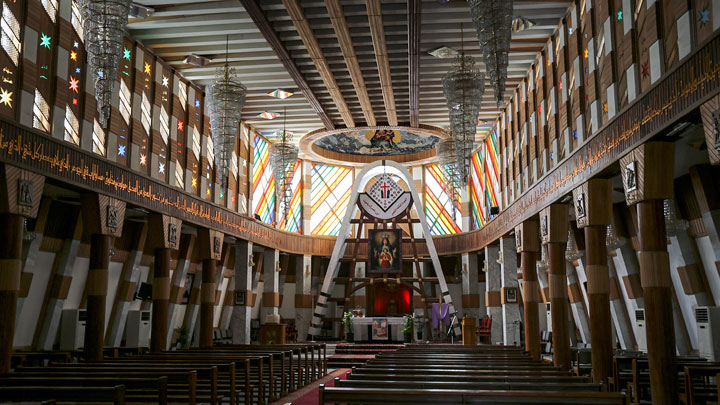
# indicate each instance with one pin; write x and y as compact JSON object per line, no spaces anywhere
{"x":673,"y":224}
{"x":571,"y":253}
{"x":493,"y":23}
{"x":447,"y":157}
{"x":104,"y":24}
{"x":463,"y":87}
{"x":612,"y":241}
{"x":282,"y":160}
{"x":226,"y":98}
{"x":542,"y":264}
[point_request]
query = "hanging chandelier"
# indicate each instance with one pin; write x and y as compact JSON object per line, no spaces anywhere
{"x":543,"y":264}
{"x":673,"y":224}
{"x":463,"y":87}
{"x":447,"y":157}
{"x":612,"y":241}
{"x":282,"y":160}
{"x":493,"y":20}
{"x":226,"y":98}
{"x":571,"y":252}
{"x":104,"y":24}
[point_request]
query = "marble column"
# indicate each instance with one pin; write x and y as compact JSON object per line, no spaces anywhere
{"x":241,"y":314}
{"x":493,"y":285}
{"x":271,"y":284}
{"x":303,"y":295}
{"x":470,"y":286}
{"x":509,"y":294}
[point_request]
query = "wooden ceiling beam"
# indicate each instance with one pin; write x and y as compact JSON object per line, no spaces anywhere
{"x":258,"y":16}
{"x":342,"y":33}
{"x":414,"y":7}
{"x":377,"y":31}
{"x":302,"y":25}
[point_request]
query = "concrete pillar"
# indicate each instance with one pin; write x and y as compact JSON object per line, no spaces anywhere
{"x":647,"y":182}
{"x":241,"y":315}
{"x":211,"y":246}
{"x":577,"y":303}
{"x":493,"y":285}
{"x":470,"y":285}
{"x":620,"y":317}
{"x":527,"y":238}
{"x":271,"y":284}
{"x":187,"y":242}
{"x":303,"y":295}
{"x":509,"y":294}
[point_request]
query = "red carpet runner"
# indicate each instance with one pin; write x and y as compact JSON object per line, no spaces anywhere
{"x":308,"y":395}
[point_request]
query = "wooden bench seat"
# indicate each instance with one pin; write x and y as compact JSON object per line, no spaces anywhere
{"x":470,"y":378}
{"x":471,"y":385}
{"x":699,"y":387}
{"x":442,"y":396}
{"x":459,"y":371}
{"x":111,"y":394}
{"x":137,"y":389}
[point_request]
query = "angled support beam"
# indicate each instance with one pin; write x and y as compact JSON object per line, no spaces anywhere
{"x":342,"y":32}
{"x":178,"y":282}
{"x":414,"y":7}
{"x":302,"y":25}
{"x":258,"y":16}
{"x":377,"y":31}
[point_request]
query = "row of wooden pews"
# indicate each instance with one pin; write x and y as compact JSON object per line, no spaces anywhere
{"x":439,"y":374}
{"x":697,"y":378}
{"x":230,"y":374}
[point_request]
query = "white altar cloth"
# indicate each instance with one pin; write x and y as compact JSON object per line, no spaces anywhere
{"x":361,"y":328}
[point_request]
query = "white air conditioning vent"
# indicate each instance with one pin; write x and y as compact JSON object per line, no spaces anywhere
{"x":640,"y":327}
{"x":708,"y":324}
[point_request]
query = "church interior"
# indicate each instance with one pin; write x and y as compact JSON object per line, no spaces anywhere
{"x":360,"y":202}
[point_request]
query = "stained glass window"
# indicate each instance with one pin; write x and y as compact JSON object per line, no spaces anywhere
{"x":196,"y":142}
{"x":182,"y":94}
{"x":145,"y":116}
{"x":263,"y":182}
{"x":98,"y":139}
{"x":125,"y":101}
{"x":293,"y":222}
{"x":477,"y":190}
{"x":439,"y":203}
{"x":41,"y":113}
{"x":492,"y":170}
{"x":179,"y":175}
{"x":330,"y":194}
{"x":210,"y":151}
{"x":10,"y":34}
{"x":72,"y":127}
{"x":164,"y":124}
{"x":76,"y":19}
{"x":50,"y":7}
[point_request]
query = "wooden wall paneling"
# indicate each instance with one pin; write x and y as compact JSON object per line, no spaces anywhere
{"x":589,"y":21}
{"x":178,"y":133}
{"x":678,"y":30}
{"x":194,"y":142}
{"x":119,"y":127}
{"x":702,"y":14}
{"x":9,"y":63}
{"x":39,"y":69}
{"x":524,"y":135}
{"x":576,"y":77}
{"x":243,"y":165}
{"x":606,"y":74}
{"x":142,"y":100}
{"x":562,"y":80}
{"x":649,"y":47}
{"x":160,"y":129}
{"x":687,"y":206}
{"x":532,"y":127}
{"x":710,"y":114}
{"x":539,"y":109}
{"x":69,"y":83}
{"x":551,"y":103}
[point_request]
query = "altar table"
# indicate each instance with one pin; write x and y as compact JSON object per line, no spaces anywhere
{"x":362,"y":329}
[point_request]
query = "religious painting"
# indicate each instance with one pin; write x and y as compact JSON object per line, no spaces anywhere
{"x":378,"y":142}
{"x":239,"y":298}
{"x":511,"y":295}
{"x":189,"y":278}
{"x":630,"y":177}
{"x":385,"y":250}
{"x":379,"y":329}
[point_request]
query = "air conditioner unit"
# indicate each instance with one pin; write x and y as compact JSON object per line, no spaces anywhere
{"x":708,"y":323}
{"x":641,"y":334}
{"x":549,"y":316}
{"x":137,"y":332}
{"x":72,"y":329}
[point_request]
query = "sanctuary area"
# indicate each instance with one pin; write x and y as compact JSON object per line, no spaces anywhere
{"x":360,"y":202}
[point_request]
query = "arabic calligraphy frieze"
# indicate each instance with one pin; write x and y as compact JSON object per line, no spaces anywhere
{"x":693,"y":82}
{"x":47,"y":156}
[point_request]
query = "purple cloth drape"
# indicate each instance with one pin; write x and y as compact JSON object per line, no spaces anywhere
{"x":440,"y":313}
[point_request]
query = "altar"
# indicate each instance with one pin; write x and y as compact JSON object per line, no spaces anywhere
{"x":378,"y":329}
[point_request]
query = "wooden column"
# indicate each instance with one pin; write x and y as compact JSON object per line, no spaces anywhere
{"x":527,"y":240}
{"x":211,"y":242}
{"x":103,"y":220}
{"x":20,"y":193}
{"x":593,"y":212}
{"x":554,"y":233}
{"x":164,"y":237}
{"x":648,"y":179}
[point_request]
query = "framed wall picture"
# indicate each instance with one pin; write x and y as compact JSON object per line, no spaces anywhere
{"x":240,"y":298}
{"x":511,"y":295}
{"x":189,"y":279}
{"x":385,"y":250}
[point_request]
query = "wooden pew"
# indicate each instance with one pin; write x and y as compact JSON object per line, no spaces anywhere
{"x":473,"y":385}
{"x":698,"y":386}
{"x":137,"y":389}
{"x":442,"y":396}
{"x":115,"y":394}
{"x":470,"y":378}
{"x":459,"y":371}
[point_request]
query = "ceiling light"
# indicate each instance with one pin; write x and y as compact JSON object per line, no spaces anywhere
{"x":197,"y":60}
{"x":140,"y":11}
{"x":267,"y":115}
{"x":281,"y":94}
{"x":443,"y":52}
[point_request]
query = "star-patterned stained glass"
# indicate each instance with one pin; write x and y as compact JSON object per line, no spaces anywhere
{"x":439,"y":203}
{"x":329,"y":197}
{"x":263,"y":182}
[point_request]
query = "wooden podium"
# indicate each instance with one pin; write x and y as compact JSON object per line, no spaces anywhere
{"x":272,"y":333}
{"x":468,"y":331}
